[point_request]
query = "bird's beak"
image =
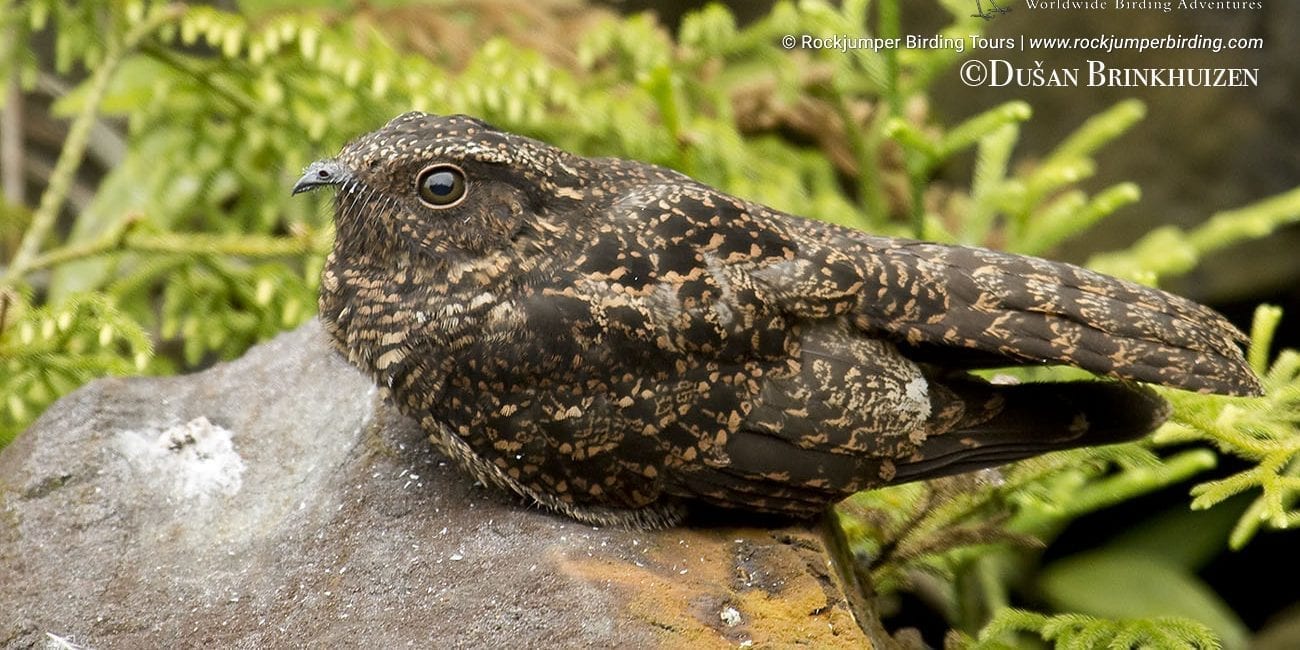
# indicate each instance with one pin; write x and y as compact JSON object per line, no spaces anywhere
{"x":322,"y":172}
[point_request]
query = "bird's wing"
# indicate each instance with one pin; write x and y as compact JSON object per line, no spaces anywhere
{"x":932,"y":298}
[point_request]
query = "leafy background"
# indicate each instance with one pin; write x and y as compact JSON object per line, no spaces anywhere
{"x":145,"y":227}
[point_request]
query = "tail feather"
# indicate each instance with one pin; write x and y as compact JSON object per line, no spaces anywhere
{"x":1001,"y":424}
{"x":1033,"y":419}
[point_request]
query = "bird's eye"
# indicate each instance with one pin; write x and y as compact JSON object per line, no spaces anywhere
{"x":441,"y":186}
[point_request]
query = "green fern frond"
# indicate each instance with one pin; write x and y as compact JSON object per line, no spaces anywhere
{"x":1079,"y":632}
{"x":1264,"y":431}
{"x":51,"y":350}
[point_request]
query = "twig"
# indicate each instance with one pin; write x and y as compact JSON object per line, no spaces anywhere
{"x":122,"y":239}
{"x":245,"y":105}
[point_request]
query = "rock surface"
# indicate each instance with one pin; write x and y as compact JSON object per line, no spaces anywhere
{"x":276,"y":501}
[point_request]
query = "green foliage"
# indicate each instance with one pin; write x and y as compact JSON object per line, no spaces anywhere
{"x":1262,"y":431}
{"x":1076,"y":632}
{"x":964,"y":539}
{"x":191,"y":249}
{"x":1130,"y":585}
{"x":47,"y":351}
{"x":1170,"y":251}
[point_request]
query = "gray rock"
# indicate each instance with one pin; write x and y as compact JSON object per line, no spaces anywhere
{"x":275,"y":501}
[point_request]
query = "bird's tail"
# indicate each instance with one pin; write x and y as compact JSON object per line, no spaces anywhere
{"x":1032,"y":419}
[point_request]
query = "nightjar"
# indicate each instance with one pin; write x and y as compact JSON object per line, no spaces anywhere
{"x":616,"y":341}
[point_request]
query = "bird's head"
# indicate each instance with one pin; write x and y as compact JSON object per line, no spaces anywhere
{"x":445,"y":186}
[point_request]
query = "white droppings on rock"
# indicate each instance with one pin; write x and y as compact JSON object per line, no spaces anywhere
{"x":192,"y":461}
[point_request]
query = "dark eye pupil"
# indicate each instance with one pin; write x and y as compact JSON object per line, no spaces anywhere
{"x":441,"y":185}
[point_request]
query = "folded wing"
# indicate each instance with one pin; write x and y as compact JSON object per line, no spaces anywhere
{"x":1001,"y":309}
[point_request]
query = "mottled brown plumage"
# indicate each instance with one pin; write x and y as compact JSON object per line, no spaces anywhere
{"x":614,"y":340}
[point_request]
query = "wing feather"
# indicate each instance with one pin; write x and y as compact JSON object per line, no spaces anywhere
{"x":1029,"y":311}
